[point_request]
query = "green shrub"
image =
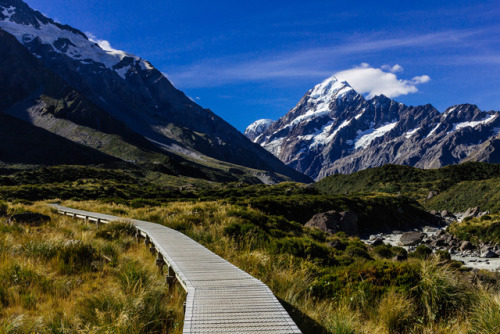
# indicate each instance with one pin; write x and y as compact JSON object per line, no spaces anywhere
{"x":357,"y":249}
{"x":421,"y":252}
{"x":3,"y":208}
{"x":440,"y":293}
{"x":75,"y":257}
{"x":384,"y":251}
{"x":443,"y":255}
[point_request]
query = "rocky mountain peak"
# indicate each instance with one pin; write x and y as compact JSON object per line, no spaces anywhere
{"x":333,"y":129}
{"x":256,"y":128}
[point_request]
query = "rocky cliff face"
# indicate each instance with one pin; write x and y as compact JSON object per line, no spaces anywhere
{"x":118,"y":92}
{"x":333,"y":129}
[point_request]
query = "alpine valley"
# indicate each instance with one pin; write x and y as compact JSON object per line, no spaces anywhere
{"x":333,"y":129}
{"x":64,"y":99}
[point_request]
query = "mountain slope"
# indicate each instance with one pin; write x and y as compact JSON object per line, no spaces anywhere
{"x":121,"y":94}
{"x":333,"y":129}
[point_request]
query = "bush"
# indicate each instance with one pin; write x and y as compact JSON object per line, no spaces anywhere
{"x":384,"y":251}
{"x":357,"y":250}
{"x":439,"y":293}
{"x":3,"y":209}
{"x":421,"y":252}
{"x":75,"y":257}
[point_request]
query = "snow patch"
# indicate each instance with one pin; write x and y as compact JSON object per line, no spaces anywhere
{"x":321,"y":96}
{"x":87,"y":51}
{"x":364,"y":138}
{"x":8,"y":11}
{"x":472,"y":124}
{"x":274,"y":146}
{"x":410,"y":133}
{"x":433,"y":130}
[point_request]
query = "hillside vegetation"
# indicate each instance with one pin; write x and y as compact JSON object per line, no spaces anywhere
{"x":458,"y":187}
{"x":328,"y":283}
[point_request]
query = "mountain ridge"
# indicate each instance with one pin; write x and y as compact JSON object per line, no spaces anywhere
{"x":333,"y":129}
{"x":126,"y":95}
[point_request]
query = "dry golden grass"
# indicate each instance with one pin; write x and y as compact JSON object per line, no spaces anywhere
{"x":45,"y":290}
{"x":120,"y":286}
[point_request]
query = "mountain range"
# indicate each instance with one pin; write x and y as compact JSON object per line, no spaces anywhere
{"x":333,"y":129}
{"x":110,"y":105}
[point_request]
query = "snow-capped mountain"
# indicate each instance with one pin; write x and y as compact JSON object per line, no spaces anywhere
{"x":123,"y":95}
{"x":257,"y":127}
{"x":333,"y":129}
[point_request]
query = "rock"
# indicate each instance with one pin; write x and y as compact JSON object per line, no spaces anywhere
{"x":400,"y":257}
{"x":465,"y":245}
{"x":377,"y":242}
{"x":433,"y":212}
{"x":29,"y":218}
{"x":411,"y":238}
{"x":497,"y":252}
{"x":332,"y":222}
{"x":432,"y":194}
{"x":447,"y":214}
{"x":72,"y":243}
{"x":471,"y":212}
{"x":349,"y":222}
{"x":336,"y":244}
{"x":327,"y":222}
{"x":488,"y":254}
{"x":440,"y":233}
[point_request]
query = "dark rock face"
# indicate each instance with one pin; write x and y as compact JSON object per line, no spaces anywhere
{"x":29,"y":218}
{"x":411,"y":238}
{"x":332,"y":222}
{"x":333,"y":129}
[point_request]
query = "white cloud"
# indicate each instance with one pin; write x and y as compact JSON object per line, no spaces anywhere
{"x":104,"y":44}
{"x":393,"y":69}
{"x":376,"y":81}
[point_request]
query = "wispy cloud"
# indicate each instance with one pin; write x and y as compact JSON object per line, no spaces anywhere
{"x":316,"y":62}
{"x":376,"y":81}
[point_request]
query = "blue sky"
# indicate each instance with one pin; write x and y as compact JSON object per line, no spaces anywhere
{"x":247,"y":60}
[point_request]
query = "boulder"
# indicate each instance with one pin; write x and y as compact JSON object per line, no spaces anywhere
{"x":447,"y":214}
{"x":471,"y":212}
{"x":29,"y":218}
{"x":489,"y":254}
{"x":440,"y":233}
{"x":349,"y":222}
{"x":332,"y":222}
{"x":377,"y":242}
{"x":466,"y":245}
{"x":411,"y":238}
{"x":327,"y":222}
{"x":432,"y":194}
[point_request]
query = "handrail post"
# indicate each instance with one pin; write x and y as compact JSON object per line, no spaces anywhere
{"x":170,"y":277}
{"x":160,"y":262}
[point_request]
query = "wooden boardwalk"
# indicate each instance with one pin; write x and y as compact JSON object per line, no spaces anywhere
{"x":221,"y":298}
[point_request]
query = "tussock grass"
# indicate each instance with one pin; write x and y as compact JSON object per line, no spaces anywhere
{"x":67,"y":276}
